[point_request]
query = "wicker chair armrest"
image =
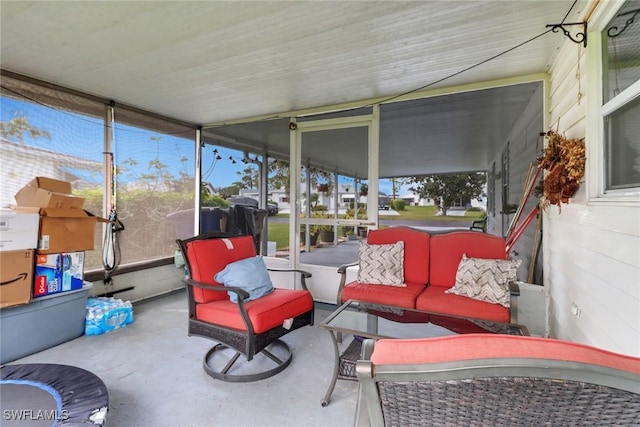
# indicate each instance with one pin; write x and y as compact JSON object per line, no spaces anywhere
{"x":479,"y":224}
{"x":367,"y":349}
{"x":303,"y":275}
{"x":242,"y":294}
{"x":342,"y":270}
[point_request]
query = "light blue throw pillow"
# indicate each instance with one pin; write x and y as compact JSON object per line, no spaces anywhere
{"x":249,"y":274}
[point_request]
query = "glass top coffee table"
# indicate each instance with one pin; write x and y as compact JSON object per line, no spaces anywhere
{"x":367,"y":320}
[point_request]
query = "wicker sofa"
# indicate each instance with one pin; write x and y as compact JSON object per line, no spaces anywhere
{"x":430,"y":266}
{"x":481,"y":380}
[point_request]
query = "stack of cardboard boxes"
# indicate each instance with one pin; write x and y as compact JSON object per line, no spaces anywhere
{"x":42,"y":242}
{"x":18,"y":241}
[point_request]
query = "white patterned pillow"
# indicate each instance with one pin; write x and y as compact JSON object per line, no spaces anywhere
{"x":381,"y":264}
{"x":485,"y":279}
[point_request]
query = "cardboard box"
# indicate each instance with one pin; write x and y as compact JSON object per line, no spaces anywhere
{"x":65,"y":230}
{"x":57,"y":273}
{"x":16,"y":277}
{"x":18,"y":230}
{"x":45,"y":192}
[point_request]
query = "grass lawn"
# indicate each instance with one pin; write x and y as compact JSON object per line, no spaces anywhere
{"x":279,"y":231}
{"x":428,"y":213}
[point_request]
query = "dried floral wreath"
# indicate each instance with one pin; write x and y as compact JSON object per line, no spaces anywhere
{"x":564,"y":160}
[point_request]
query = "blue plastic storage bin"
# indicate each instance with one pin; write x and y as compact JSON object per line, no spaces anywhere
{"x":43,"y":323}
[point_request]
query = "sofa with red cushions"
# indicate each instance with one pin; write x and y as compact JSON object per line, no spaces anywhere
{"x":431,"y":265}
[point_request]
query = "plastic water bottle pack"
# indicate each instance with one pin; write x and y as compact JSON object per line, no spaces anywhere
{"x":106,"y":314}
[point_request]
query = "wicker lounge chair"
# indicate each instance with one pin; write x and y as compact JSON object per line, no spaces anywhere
{"x":495,"y":380}
{"x":243,"y":322}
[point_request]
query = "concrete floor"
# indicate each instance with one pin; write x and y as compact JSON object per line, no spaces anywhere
{"x":332,"y":255}
{"x":154,"y":375}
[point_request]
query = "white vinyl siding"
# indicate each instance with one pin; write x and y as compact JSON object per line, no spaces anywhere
{"x":592,"y":249}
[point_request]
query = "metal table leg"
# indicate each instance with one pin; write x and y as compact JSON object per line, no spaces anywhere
{"x":334,"y":377}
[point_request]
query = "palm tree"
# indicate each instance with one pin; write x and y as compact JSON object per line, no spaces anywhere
{"x":17,"y":126}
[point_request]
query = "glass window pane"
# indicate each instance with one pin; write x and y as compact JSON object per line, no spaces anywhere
{"x":55,"y":142}
{"x":278,"y":228}
{"x":228,"y":177}
{"x":154,"y":184}
{"x":622,"y":59}
{"x":623,"y":145}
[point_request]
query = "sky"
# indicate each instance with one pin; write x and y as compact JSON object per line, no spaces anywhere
{"x":82,"y":136}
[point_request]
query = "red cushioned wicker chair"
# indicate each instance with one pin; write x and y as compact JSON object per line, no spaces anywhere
{"x":248,"y":328}
{"x":495,"y":380}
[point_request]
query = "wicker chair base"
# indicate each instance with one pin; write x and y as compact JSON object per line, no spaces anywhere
{"x":347,"y":365}
{"x":227,"y":364}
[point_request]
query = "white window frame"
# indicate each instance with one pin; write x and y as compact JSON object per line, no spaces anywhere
{"x":597,"y":111}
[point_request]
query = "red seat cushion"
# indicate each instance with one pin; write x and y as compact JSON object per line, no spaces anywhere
{"x":416,"y":250}
{"x":207,"y":257}
{"x":435,"y":300}
{"x":382,"y":294}
{"x":265,"y":313}
{"x":447,"y":249}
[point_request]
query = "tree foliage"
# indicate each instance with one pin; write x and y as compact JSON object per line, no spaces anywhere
{"x":280,"y":174}
{"x":447,"y":188}
{"x":15,"y":129}
{"x":249,"y":178}
{"x":231,"y":190}
{"x":396,"y":185}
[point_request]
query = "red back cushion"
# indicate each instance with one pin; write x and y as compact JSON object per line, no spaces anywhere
{"x":447,"y":250}
{"x":416,"y":250}
{"x":207,"y":257}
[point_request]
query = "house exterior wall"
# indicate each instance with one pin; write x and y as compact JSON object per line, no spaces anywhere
{"x":524,"y":145}
{"x":16,"y":158}
{"x":592,"y":245}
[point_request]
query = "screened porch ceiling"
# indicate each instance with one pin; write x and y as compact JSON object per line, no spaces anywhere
{"x":219,"y":63}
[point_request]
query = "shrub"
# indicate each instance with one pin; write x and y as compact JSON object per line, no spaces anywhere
{"x":362,"y":213}
{"x":315,"y":229}
{"x":214,"y":201}
{"x":346,"y":230}
{"x":360,"y":205}
{"x":320,"y":228}
{"x":397,"y":204}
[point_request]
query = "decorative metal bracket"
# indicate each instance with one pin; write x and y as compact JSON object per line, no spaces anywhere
{"x":613,"y":31}
{"x":579,"y":38}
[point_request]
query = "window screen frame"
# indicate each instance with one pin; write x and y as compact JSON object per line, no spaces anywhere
{"x":597,"y":110}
